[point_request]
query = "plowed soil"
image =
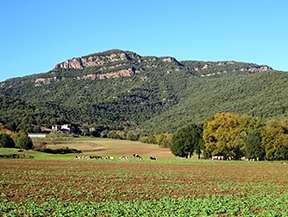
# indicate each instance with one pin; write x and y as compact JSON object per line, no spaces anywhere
{"x":99,"y":180}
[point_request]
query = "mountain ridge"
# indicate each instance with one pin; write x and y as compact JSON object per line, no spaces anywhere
{"x":115,"y":86}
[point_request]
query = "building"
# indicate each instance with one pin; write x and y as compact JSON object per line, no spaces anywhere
{"x":37,"y":135}
{"x":64,"y":127}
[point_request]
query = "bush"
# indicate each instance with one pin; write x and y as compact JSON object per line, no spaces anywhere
{"x":95,"y":134}
{"x":152,"y":139}
{"x":132,"y":136}
{"x":113,"y":135}
{"x":6,"y":141}
{"x":24,"y":142}
{"x":36,"y":129}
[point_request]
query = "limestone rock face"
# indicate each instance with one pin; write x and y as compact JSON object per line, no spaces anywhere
{"x":257,"y":69}
{"x":83,"y":62}
{"x":121,"y":73}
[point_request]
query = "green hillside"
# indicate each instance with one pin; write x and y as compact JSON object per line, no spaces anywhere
{"x":158,"y":94}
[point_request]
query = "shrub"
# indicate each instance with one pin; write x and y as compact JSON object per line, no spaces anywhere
{"x":24,"y":142}
{"x":6,"y":141}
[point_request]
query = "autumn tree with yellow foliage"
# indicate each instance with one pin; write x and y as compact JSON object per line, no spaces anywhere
{"x":275,"y":139}
{"x":224,"y":133}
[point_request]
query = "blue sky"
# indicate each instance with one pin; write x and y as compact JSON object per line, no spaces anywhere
{"x":37,"y":34}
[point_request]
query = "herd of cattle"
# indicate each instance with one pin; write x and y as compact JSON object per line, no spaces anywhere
{"x":154,"y":158}
{"x":231,"y":158}
{"x":107,"y":157}
{"x":93,"y":157}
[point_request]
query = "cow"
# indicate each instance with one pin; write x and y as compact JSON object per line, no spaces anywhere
{"x":217,"y":157}
{"x":123,"y":157}
{"x":137,"y":155}
{"x":153,"y":158}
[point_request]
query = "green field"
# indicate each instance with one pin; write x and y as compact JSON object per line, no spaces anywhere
{"x":61,"y":185}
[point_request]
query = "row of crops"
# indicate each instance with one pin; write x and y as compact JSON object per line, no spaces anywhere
{"x":94,"y":188}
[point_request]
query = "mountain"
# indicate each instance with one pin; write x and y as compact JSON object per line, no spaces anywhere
{"x":159,"y":94}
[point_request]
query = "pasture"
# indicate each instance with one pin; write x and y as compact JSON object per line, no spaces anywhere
{"x":61,"y":185}
{"x":110,"y":147}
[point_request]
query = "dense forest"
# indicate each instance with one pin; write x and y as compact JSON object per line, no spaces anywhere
{"x":155,"y":94}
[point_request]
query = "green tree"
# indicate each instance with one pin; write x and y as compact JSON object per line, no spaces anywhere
{"x":253,"y":145}
{"x":37,"y":129}
{"x":283,"y":153}
{"x":133,"y":136}
{"x":6,"y":141}
{"x":113,"y":135}
{"x":85,"y":130}
{"x":186,"y":140}
{"x":24,"y":142}
{"x":200,"y":148}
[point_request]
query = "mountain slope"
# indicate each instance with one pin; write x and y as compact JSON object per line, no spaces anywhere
{"x":158,"y":94}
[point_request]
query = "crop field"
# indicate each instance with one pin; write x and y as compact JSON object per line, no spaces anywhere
{"x":171,"y":187}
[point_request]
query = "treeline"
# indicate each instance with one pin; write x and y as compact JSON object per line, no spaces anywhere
{"x":162,"y":139}
{"x":9,"y":139}
{"x":223,"y":134}
{"x":233,"y":136}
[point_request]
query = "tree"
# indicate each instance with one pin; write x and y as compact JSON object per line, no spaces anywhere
{"x":283,"y":153}
{"x":186,"y":140}
{"x":24,"y":142}
{"x":6,"y":141}
{"x":133,"y":136}
{"x":37,"y":129}
{"x":85,"y":130}
{"x":113,"y":135}
{"x":16,"y":136}
{"x":224,"y":133}
{"x":275,"y":139}
{"x":253,"y":145}
{"x":200,"y":147}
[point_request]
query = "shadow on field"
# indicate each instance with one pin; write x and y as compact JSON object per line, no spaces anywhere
{"x":11,"y":156}
{"x":59,"y":151}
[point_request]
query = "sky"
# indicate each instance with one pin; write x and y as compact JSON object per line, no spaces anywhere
{"x":35,"y":35}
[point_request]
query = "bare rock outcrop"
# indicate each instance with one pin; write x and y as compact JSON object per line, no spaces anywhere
{"x":83,"y":62}
{"x":257,"y":69}
{"x":121,"y":73}
{"x":40,"y":81}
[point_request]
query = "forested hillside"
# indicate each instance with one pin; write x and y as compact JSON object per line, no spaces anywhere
{"x":155,"y":94}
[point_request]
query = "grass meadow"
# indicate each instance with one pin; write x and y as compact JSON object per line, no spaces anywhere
{"x":61,"y":185}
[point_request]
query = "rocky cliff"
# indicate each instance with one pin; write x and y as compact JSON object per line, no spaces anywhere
{"x":92,"y":60}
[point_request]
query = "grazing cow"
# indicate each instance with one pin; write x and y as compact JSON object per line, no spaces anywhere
{"x":217,"y":157}
{"x":214,"y":157}
{"x":153,"y":158}
{"x":123,"y":157}
{"x":137,"y":155}
{"x":244,"y":159}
